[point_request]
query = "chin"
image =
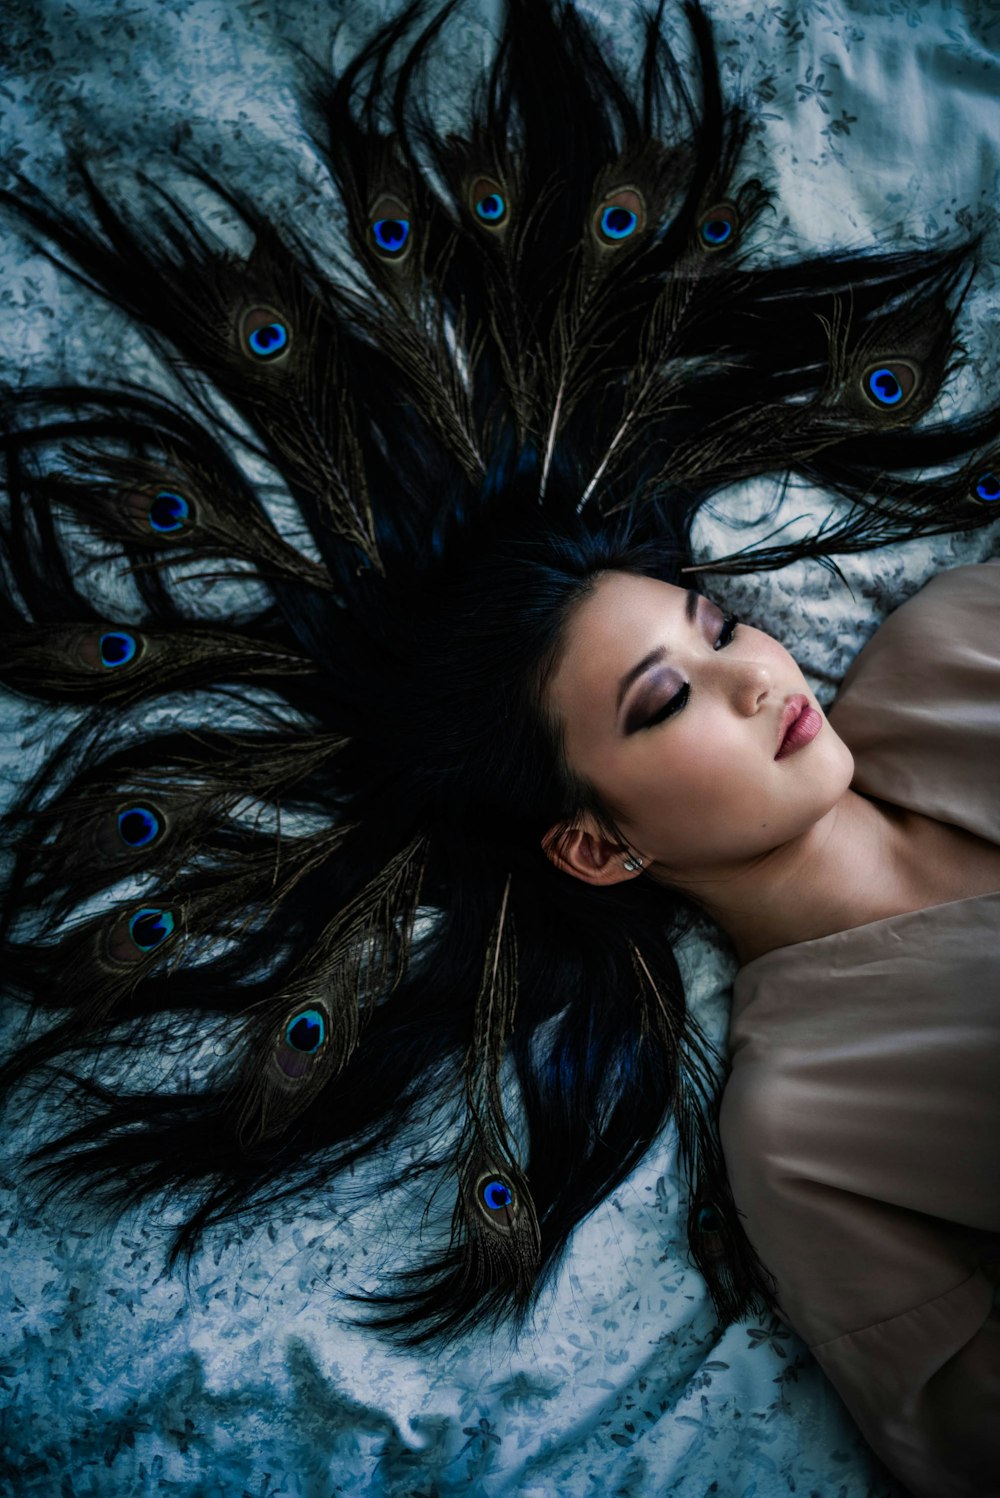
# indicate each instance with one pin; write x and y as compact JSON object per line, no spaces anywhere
{"x":848,"y":759}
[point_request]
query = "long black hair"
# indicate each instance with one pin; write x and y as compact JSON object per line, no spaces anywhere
{"x":307,"y":842}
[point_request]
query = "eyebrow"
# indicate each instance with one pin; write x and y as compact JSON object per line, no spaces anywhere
{"x":690,"y":610}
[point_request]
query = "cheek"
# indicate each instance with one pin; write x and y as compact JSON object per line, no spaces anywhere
{"x":692,"y":786}
{"x":726,"y":799}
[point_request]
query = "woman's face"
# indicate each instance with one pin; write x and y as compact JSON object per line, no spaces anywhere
{"x":692,"y":780}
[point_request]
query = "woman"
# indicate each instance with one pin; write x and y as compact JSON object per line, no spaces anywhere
{"x":860,"y":1120}
{"x":344,"y":890}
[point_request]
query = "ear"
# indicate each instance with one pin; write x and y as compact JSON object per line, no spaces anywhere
{"x":587,"y":854}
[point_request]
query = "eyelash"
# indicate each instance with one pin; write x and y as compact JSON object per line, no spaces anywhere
{"x":679,"y":699}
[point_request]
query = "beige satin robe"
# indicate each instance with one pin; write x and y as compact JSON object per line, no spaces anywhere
{"x":861,"y":1120}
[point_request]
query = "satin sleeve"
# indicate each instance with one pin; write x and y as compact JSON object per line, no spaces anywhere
{"x":896,"y":1306}
{"x":924,"y":1388}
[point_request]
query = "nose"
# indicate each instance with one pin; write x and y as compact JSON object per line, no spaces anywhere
{"x":751,"y":687}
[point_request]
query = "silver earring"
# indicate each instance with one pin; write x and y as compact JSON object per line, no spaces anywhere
{"x":632,"y":863}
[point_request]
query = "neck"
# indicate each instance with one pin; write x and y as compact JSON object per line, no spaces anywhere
{"x":857,"y":864}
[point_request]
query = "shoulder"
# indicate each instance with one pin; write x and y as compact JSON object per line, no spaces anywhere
{"x":924,"y":1388}
{"x":946,"y":612}
{"x":815,"y":1179}
{"x":919,"y":707}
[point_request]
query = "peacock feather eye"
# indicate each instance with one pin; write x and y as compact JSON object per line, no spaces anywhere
{"x":138,"y":826}
{"x":150,"y":927}
{"x":390,"y":235}
{"x":302,"y":1039}
{"x":618,"y":223}
{"x":108,"y":649}
{"x":718,"y":227}
{"x":496,"y":1195}
{"x":889,"y":385}
{"x":306,"y":1032}
{"x":492,"y":209}
{"x":117,"y":647}
{"x":488,"y":203}
{"x":710,"y":1228}
{"x":389,"y":229}
{"x":620,"y":217}
{"x":987,"y":488}
{"x":168,"y":513}
{"x":709,"y":1220}
{"x":496,"y":1198}
{"x":265,"y":334}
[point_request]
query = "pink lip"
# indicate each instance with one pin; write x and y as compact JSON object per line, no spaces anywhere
{"x":800,"y":723}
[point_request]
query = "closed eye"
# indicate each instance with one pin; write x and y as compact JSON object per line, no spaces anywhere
{"x":678,"y":701}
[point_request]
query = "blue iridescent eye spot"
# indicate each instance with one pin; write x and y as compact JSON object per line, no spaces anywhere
{"x":269,"y":340}
{"x":149,"y":927}
{"x":885,"y":388}
{"x":488,"y":203}
{"x":988,"y":488}
{"x":117,"y":648}
{"x":169,"y":512}
{"x":492,"y":208}
{"x":717,"y":227}
{"x":618,"y":223}
{"x":138,"y":826}
{"x":890,"y":385}
{"x":497,"y":1195}
{"x":307,"y":1031}
{"x":716,"y":231}
{"x":390,"y":235}
{"x":265,"y":334}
